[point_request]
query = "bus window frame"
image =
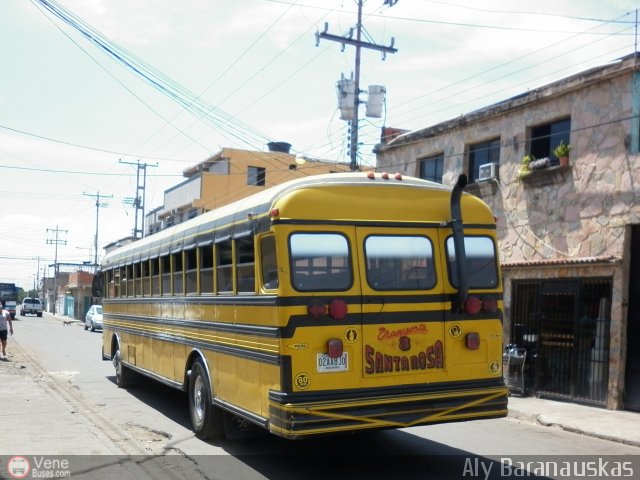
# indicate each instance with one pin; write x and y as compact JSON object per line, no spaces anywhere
{"x":191,"y":287}
{"x":177,"y":272}
{"x":210,"y":270}
{"x":165,"y":275}
{"x":219,"y":267}
{"x":269,"y":271}
{"x":239,"y":266}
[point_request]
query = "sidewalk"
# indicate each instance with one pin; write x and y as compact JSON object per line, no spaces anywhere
{"x":614,"y":425}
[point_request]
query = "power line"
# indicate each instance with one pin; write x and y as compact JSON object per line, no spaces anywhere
{"x":86,"y":147}
{"x":225,"y":123}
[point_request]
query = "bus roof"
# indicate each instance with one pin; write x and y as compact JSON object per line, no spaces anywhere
{"x":300,"y":199}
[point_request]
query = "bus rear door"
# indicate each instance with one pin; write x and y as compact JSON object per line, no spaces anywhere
{"x":403,"y":306}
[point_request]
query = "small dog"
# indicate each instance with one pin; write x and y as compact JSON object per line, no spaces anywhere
{"x":66,"y":323}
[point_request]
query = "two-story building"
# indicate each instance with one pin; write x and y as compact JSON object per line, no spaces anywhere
{"x":230,"y":175}
{"x":569,"y":233}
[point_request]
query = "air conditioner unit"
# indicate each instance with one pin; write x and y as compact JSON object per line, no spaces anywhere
{"x":488,"y":171}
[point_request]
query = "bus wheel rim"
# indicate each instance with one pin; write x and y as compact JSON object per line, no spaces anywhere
{"x":198,"y":398}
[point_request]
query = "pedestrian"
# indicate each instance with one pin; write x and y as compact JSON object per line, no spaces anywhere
{"x":5,"y":318}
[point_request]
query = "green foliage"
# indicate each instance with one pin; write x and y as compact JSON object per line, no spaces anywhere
{"x":562,"y":149}
{"x":524,"y":169}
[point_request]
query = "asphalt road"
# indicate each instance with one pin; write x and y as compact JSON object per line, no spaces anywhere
{"x":69,"y":406}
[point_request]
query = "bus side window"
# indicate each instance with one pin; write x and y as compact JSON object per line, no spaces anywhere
{"x":268,"y":262}
{"x":191,"y":270}
{"x":224,"y":265}
{"x":245,"y":265}
{"x":206,"y":269}
{"x":165,"y":274}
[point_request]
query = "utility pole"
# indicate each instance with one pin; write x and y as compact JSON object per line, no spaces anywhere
{"x":359,"y":44}
{"x":138,"y":201}
{"x":98,"y":205}
{"x":55,"y":241}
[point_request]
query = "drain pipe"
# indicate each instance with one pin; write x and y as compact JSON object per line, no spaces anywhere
{"x":458,"y":242}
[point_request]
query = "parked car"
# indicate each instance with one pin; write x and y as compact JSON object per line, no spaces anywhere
{"x":93,"y":318}
{"x":31,"y":306}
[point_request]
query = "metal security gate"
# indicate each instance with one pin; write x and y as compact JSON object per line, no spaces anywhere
{"x":564,"y":326}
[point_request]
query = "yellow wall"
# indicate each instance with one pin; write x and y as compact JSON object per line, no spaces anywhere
{"x":219,"y":189}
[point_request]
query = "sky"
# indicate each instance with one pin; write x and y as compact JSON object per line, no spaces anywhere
{"x":202,"y":75}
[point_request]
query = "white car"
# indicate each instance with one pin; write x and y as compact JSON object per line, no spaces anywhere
{"x":31,"y":306}
{"x":93,"y":318}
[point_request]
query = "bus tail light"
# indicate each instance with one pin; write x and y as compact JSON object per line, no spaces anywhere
{"x":489,"y":304}
{"x":334,"y":348}
{"x":473,"y":340}
{"x":316,"y":308}
{"x":472,"y":305}
{"x":337,"y":309}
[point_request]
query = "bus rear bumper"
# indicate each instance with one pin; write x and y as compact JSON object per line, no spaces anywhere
{"x":296,"y":416}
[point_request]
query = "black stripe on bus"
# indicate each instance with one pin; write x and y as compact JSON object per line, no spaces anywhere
{"x":302,"y":321}
{"x":269,"y":358}
{"x":382,"y":298}
{"x":246,"y":329}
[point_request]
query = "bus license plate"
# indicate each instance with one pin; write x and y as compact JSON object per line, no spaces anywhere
{"x":327,"y":364}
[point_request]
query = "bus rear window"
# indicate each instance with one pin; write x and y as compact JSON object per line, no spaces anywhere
{"x":320,"y":261}
{"x":482,"y":264}
{"x":397,"y":262}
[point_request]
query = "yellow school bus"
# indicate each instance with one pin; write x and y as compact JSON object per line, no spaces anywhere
{"x":328,"y":304}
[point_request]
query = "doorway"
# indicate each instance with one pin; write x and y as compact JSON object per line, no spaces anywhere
{"x":564,"y":326}
{"x":632,"y":375}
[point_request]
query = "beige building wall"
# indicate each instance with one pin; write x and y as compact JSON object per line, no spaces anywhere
{"x":558,"y":222}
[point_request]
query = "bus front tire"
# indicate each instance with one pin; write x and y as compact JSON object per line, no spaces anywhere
{"x":206,"y":418}
{"x":123,"y":373}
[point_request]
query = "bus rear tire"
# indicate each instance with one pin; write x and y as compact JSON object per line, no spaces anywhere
{"x":123,"y":373}
{"x":206,"y":418}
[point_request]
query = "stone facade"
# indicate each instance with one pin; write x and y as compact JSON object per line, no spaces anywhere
{"x":561,"y":221}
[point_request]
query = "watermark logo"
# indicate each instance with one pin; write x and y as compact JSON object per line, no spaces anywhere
{"x":18,"y":467}
{"x":38,"y":467}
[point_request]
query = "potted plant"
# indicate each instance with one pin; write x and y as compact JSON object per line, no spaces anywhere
{"x":562,"y":152}
{"x":524,"y":169}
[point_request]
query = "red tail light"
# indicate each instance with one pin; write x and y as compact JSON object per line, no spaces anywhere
{"x":316,"y":308}
{"x":473,"y":340}
{"x":489,"y":304}
{"x":472,"y":305}
{"x":334,"y":348}
{"x":337,"y":309}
